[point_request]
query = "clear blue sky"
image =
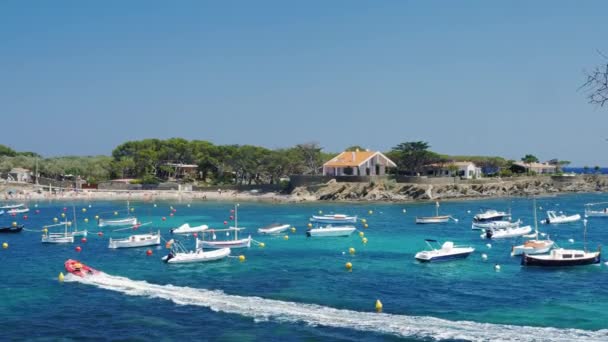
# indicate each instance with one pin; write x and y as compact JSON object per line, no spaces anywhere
{"x":469,"y":77}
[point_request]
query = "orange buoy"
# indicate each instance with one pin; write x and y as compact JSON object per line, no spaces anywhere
{"x":78,"y":249}
{"x":149,"y":252}
{"x":84,"y":240}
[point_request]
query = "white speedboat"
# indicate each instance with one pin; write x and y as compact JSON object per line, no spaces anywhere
{"x":596,"y":209}
{"x":491,"y":215}
{"x":334,"y":219}
{"x":554,"y":218}
{"x":447,"y":252}
{"x":495,"y":225}
{"x":129,"y":221}
{"x":330,"y":231}
{"x":275,"y":228}
{"x":138,"y":240}
{"x":187,"y":229}
{"x":12,"y":206}
{"x":179,"y":255}
{"x":506,"y":232}
{"x":18,"y":211}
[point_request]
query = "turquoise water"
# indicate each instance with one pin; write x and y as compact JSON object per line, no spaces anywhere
{"x":298,"y":289}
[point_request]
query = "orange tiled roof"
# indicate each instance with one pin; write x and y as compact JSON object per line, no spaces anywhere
{"x":353,"y":159}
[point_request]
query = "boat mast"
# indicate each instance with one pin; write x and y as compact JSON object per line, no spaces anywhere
{"x":585,"y":235}
{"x":436,"y":208}
{"x":236,"y":221}
{"x":75,"y":223}
{"x":535,"y":218}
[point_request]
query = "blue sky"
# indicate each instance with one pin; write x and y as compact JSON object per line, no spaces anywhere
{"x":469,"y":77}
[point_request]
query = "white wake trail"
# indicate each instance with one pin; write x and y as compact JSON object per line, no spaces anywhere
{"x":312,"y":314}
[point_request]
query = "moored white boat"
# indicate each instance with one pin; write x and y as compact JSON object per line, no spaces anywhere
{"x":505,"y":233}
{"x":275,"y":228}
{"x":596,"y":209}
{"x":129,"y":221}
{"x":447,"y":252}
{"x":495,"y":225}
{"x":58,"y":238}
{"x":179,"y":255}
{"x":18,"y":211}
{"x":334,"y":219}
{"x":234,"y":243}
{"x":432,"y":219}
{"x":330,"y":231}
{"x":12,"y":206}
{"x":554,"y":218}
{"x":560,"y":257}
{"x":491,"y":215}
{"x":138,"y":240}
{"x":534,"y":246}
{"x":187,"y":229}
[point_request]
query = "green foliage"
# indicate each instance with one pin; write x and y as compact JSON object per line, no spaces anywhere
{"x":355,"y":148}
{"x":505,"y":173}
{"x":529,"y":159}
{"x":411,"y":157}
{"x":7,"y":151}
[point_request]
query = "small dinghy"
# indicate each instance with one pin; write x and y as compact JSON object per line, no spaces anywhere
{"x":447,"y":252}
{"x":179,"y":255}
{"x":553,"y":218}
{"x":334,"y":219}
{"x":138,"y":240}
{"x":12,"y":229}
{"x":434,"y":219}
{"x":79,"y":269}
{"x":275,"y":228}
{"x":495,"y":225}
{"x":187,"y":229}
{"x":330,"y":231}
{"x":506,"y":232}
{"x":129,"y":221}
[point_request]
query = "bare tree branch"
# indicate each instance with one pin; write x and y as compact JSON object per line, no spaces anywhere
{"x":597,"y":84}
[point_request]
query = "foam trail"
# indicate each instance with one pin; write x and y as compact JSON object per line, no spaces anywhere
{"x":281,"y":311}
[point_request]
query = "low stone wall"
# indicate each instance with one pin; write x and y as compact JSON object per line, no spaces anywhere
{"x":125,"y":186}
{"x":259,"y":187}
{"x":302,"y":180}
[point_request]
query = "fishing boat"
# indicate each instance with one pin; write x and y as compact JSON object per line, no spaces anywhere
{"x":138,"y":240}
{"x":179,"y":255}
{"x":187,"y":229}
{"x":12,"y":206}
{"x":446,"y":252}
{"x":505,"y":233}
{"x":490,"y":215}
{"x":12,"y":229}
{"x":275,"y":228}
{"x":592,"y":211}
{"x":554,"y":218}
{"x":117,"y":222}
{"x":65,"y":237}
{"x":534,"y":246}
{"x":434,"y":219}
{"x":234,"y":242}
{"x":334,"y":219}
{"x":495,"y":224}
{"x":77,"y":268}
{"x":330,"y":230}
{"x":565,"y":257}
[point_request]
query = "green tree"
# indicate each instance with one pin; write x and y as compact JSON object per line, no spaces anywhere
{"x":596,"y":169}
{"x":311,"y":155}
{"x":7,"y":151}
{"x":355,"y":148}
{"x":411,"y":157}
{"x":586,"y":169}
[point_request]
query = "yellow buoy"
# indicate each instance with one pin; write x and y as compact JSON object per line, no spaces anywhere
{"x":84,"y":210}
{"x":310,"y":225}
{"x":55,"y":219}
{"x":61,"y":276}
{"x":262,"y":245}
{"x":361,"y":234}
{"x":320,"y":212}
{"x":241,"y":258}
{"x":363,"y":220}
{"x":116,"y":213}
{"x":5,"y":245}
{"x":371,"y":212}
{"x":351,"y":250}
{"x":44,"y":230}
{"x":62,"y":214}
{"x":293,"y":229}
{"x":69,"y":224}
{"x":364,"y":240}
{"x":132,"y":209}
{"x":97,"y":217}
{"x":365,"y":225}
{"x":86,"y":220}
{"x":348,"y":266}
{"x":286,"y":237}
{"x":14,"y":224}
{"x":378,"y":305}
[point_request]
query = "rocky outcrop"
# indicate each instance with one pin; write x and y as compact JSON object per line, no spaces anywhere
{"x":392,"y":191}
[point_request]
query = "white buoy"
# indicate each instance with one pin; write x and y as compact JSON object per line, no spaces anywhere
{"x":571,"y":240}
{"x":343,"y":253}
{"x":497,"y":267}
{"x":489,"y":245}
{"x":404,"y":211}
{"x":543,"y":234}
{"x":468,"y":211}
{"x":484,"y":256}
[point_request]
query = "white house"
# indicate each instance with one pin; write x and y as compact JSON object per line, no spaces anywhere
{"x":463,"y":169}
{"x":18,"y":174}
{"x":358,"y":163}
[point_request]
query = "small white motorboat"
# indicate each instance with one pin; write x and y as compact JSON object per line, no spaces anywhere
{"x":275,"y":228}
{"x":138,"y":240}
{"x":18,"y":211}
{"x":12,"y":206}
{"x":179,"y":255}
{"x":491,"y":215}
{"x":447,"y":252}
{"x":330,"y":231}
{"x":554,"y":218}
{"x":129,"y":221}
{"x":334,"y":219}
{"x":187,"y":229}
{"x":506,"y":232}
{"x":591,"y":210}
{"x":495,"y":225}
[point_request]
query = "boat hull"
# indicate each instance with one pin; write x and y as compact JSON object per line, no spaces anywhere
{"x":330,"y":232}
{"x":117,"y":223}
{"x":334,"y":219}
{"x":274,"y":230}
{"x":59,"y":238}
{"x":241,"y":243}
{"x":530,"y":260}
{"x":77,"y":268}
{"x":11,"y":229}
{"x":186,"y":229}
{"x":134,"y":241}
{"x":199,"y":256}
{"x":506,"y":233}
{"x":432,"y":219}
{"x":439,"y":258}
{"x":522,"y":249}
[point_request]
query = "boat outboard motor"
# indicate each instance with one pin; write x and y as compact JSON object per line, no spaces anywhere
{"x":168,"y":257}
{"x":171,"y":230}
{"x":308,"y":233}
{"x":489,"y":233}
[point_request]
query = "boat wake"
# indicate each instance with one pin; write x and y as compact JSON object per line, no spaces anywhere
{"x":261,"y":309}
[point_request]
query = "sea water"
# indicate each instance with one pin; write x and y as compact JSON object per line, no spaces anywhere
{"x":298,"y":288}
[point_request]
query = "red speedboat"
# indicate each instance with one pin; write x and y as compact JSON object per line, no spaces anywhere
{"x":77,"y":268}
